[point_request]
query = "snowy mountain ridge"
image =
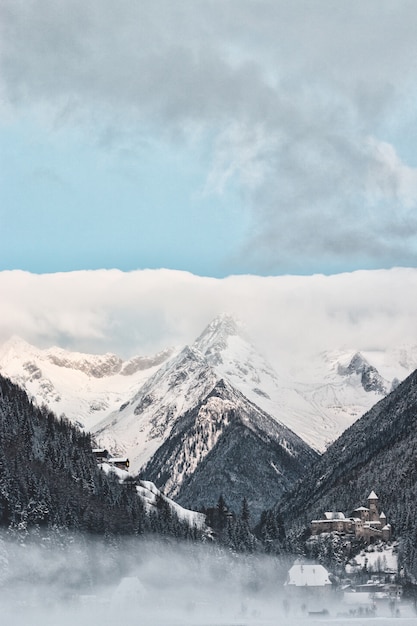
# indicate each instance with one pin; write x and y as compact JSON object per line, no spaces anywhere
{"x":82,"y":387}
{"x":132,"y":405}
{"x":143,"y":423}
{"x":322,"y":399}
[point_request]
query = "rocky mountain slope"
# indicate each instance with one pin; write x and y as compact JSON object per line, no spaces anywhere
{"x":225,"y":445}
{"x":378,"y":452}
{"x":318,"y":400}
{"x":142,"y":423}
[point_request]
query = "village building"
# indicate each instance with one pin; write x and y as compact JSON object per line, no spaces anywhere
{"x":309,"y":587}
{"x":364,"y":522}
{"x":120,"y":462}
{"x":103,"y":456}
{"x":100,"y":454}
{"x":309,"y":576}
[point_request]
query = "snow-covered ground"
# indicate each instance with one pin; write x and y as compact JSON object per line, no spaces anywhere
{"x":376,"y":558}
{"x":149,"y":495}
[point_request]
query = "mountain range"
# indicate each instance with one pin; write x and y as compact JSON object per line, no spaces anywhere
{"x":213,"y":417}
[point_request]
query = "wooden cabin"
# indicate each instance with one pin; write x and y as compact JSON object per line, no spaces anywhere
{"x":101,"y":455}
{"x":120,"y":462}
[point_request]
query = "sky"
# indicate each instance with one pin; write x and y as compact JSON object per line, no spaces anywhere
{"x":254,"y":137}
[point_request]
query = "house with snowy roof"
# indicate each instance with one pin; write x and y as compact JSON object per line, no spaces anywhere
{"x":364,"y":522}
{"x":308,"y":577}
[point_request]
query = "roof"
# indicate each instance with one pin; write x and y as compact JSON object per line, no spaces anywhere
{"x":361,"y":508}
{"x":308,"y":575}
{"x":331,"y":515}
{"x":383,"y":516}
{"x":372,"y":496}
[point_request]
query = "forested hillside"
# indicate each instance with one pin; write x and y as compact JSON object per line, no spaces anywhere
{"x":49,"y":477}
{"x":378,"y":452}
{"x":227,"y":446}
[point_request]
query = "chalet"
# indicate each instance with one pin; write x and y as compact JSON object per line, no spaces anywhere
{"x":364,"y":522}
{"x":101,"y":455}
{"x":120,"y":462}
{"x":310,"y":576}
{"x":309,"y":588}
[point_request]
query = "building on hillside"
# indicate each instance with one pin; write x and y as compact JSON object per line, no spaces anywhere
{"x":364,"y":522}
{"x":121,"y":463}
{"x":100,"y":454}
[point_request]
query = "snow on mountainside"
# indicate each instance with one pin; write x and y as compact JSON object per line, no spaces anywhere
{"x":149,"y":494}
{"x":329,"y":393}
{"x":83,"y":387}
{"x":226,"y":444}
{"x":339,"y":388}
{"x":143,"y":423}
{"x":132,"y":405}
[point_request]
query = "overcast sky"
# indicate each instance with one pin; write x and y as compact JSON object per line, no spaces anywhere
{"x":241,"y":136}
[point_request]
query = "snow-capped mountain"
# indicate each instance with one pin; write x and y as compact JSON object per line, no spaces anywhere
{"x":322,"y":399}
{"x":83,"y":387}
{"x":131,"y":406}
{"x":142,"y":423}
{"x":371,"y":379}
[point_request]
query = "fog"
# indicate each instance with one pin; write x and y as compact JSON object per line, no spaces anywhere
{"x":61,"y":578}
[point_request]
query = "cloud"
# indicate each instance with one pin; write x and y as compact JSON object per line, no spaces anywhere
{"x":302,"y":106}
{"x":390,"y":177}
{"x":288,"y":318}
{"x":240,"y":152}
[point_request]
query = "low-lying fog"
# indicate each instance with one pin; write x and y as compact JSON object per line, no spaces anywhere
{"x":66,"y":580}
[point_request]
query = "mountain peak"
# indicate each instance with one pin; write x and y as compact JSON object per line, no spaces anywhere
{"x":223,"y":325}
{"x":215,"y":337}
{"x":371,"y":379}
{"x":357,"y":364}
{"x":16,"y":345}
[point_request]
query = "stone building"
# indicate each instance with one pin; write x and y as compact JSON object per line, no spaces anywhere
{"x":364,"y":522}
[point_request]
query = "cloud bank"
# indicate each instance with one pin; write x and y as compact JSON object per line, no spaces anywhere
{"x":305,"y":108}
{"x":142,"y":312}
